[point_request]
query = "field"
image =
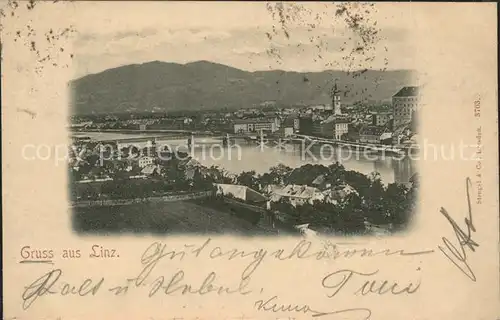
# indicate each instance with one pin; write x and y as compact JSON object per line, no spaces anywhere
{"x":164,"y":218}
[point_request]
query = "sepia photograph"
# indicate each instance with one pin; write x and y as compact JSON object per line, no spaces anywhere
{"x":300,"y":126}
{"x":245,"y":160}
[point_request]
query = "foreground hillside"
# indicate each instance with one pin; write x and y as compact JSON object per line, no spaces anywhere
{"x":162,"y":218}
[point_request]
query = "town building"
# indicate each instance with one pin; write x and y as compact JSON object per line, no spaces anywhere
{"x":306,"y":231}
{"x":287,"y":128}
{"x":400,"y":134}
{"x":218,"y":125}
{"x":295,"y":194}
{"x":145,"y":161}
{"x":334,"y":127}
{"x":288,"y":131}
{"x":138,"y":143}
{"x":339,"y":193}
{"x":321,"y":182}
{"x":167,"y":124}
{"x":150,"y":170}
{"x":305,"y":124}
{"x":341,"y":127}
{"x":404,"y":103}
{"x":386,"y":138}
{"x":371,"y":134}
{"x":254,"y":125}
{"x":292,"y":120}
{"x":298,"y":195}
{"x":381,"y":118}
{"x":322,"y":128}
{"x":81,"y":125}
{"x":240,"y":192}
{"x":319,"y":107}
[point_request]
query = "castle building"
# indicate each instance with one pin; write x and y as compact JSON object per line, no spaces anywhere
{"x":404,"y":103}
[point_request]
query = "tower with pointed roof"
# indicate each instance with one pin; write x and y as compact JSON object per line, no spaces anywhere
{"x":335,"y":94}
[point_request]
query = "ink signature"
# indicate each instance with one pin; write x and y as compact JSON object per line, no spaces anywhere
{"x":458,"y":256}
{"x":272,"y":305}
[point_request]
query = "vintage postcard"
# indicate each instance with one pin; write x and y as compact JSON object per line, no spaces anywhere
{"x":249,"y":160}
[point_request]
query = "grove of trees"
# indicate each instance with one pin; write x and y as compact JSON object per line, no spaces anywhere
{"x":374,"y":202}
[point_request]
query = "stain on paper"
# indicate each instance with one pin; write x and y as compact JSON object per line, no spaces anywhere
{"x":48,"y":52}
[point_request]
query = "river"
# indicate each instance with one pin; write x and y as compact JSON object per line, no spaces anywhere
{"x":254,"y":157}
{"x":245,"y":156}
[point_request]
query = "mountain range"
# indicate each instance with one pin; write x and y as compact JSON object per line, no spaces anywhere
{"x":203,"y":85}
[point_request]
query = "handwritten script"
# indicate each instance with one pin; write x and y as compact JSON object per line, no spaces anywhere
{"x":155,"y":281}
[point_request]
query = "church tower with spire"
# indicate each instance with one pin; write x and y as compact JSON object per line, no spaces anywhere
{"x":335,"y":94}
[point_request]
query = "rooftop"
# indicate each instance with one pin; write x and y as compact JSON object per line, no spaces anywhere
{"x":407,"y":92}
{"x":240,"y":192}
{"x":319,"y":179}
{"x":297,"y":191}
{"x":256,"y":120}
{"x":289,"y":121}
{"x":336,"y":119}
{"x":149,"y":169}
{"x":372,"y":130}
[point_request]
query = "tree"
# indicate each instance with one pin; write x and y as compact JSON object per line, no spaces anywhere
{"x":93,"y":159}
{"x":125,"y":152}
{"x":322,"y":213}
{"x":291,"y":215}
{"x":352,"y":215}
{"x":109,"y":166}
{"x":276,"y":175}
{"x":280,"y":171}
{"x":268,"y":179}
{"x":360,"y":182}
{"x":397,"y":204}
{"x":134,"y":151}
{"x":89,"y":192}
{"x":336,"y":173}
{"x":174,"y":175}
{"x":415,"y":181}
{"x":109,"y":187}
{"x":120,"y":175}
{"x":218,"y":175}
{"x":374,"y":202}
{"x":376,"y":191}
{"x":84,"y":169}
{"x":136,"y":170}
{"x":75,"y":175}
{"x":97,"y":172}
{"x":249,"y":179}
{"x":199,"y":182}
{"x":306,"y":174}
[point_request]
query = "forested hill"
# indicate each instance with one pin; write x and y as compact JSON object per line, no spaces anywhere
{"x":202,"y":85}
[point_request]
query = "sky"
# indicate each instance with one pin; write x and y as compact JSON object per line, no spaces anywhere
{"x":243,"y":35}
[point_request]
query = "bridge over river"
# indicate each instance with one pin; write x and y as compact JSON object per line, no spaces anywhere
{"x":396,"y":149}
{"x":136,"y":137}
{"x":250,"y":156}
